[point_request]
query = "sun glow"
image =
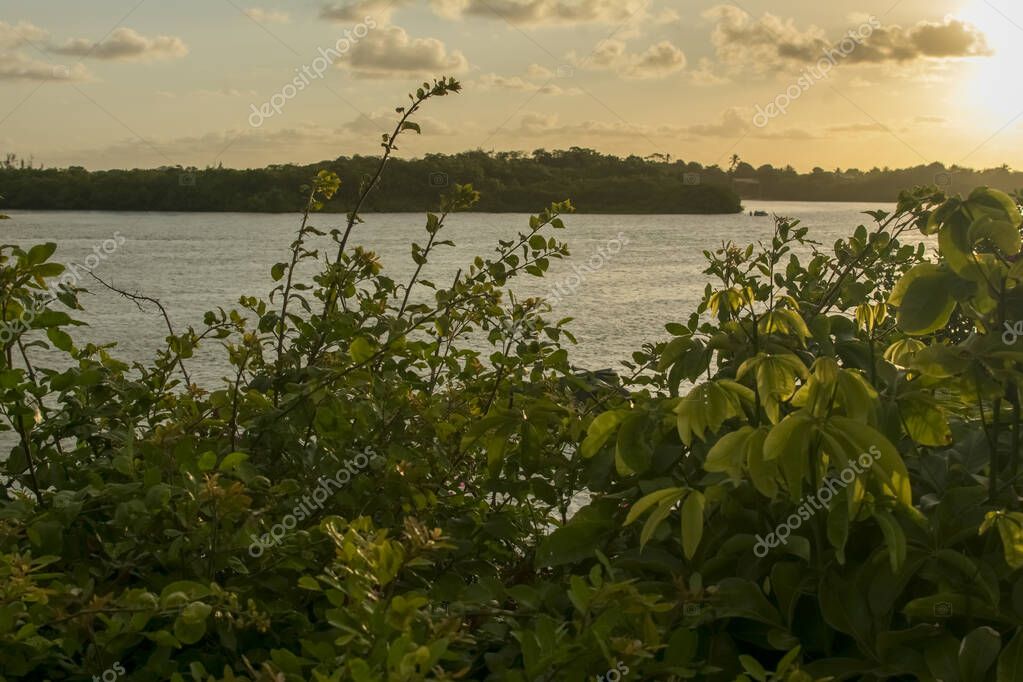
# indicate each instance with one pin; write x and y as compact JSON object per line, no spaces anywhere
{"x":990,"y":84}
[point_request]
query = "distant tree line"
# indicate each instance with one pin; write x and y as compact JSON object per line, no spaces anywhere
{"x":508,"y":181}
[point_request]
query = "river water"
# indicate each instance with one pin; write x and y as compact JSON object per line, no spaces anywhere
{"x":194,"y":262}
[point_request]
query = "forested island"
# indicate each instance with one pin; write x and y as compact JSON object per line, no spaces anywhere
{"x":509,"y":182}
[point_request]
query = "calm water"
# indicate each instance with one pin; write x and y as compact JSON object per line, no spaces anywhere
{"x":196,"y":262}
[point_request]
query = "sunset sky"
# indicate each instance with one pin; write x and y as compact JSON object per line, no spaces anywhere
{"x":124,"y":83}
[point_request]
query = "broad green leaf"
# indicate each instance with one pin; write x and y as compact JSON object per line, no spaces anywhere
{"x":40,"y":253}
{"x":361,"y":349}
{"x":633,"y":449}
{"x":838,"y":523}
{"x":729,"y":453}
{"x":673,"y":351}
{"x":923,"y":298}
{"x":655,"y":519}
{"x":1010,"y":662}
{"x":648,"y":501}
{"x":600,"y":430}
{"x":994,"y":203}
{"x":207,"y":461}
{"x":59,"y":338}
{"x":902,"y":351}
{"x":894,"y":538}
{"x":232,"y":460}
{"x":692,"y":523}
{"x":887,"y":463}
{"x":1010,"y":529}
{"x":573,"y":542}
{"x":763,"y":473}
{"x":925,"y":422}
{"x":1001,"y":233}
{"x":978,"y":653}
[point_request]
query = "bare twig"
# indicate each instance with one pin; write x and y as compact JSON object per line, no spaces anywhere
{"x":136,"y":298}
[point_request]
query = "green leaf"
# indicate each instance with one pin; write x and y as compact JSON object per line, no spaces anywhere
{"x":673,"y":351}
{"x":994,"y":203}
{"x":753,"y":667}
{"x":887,"y":466}
{"x":189,"y":632}
{"x":633,"y":450}
{"x":838,"y":523}
{"x":925,"y":422}
{"x":361,"y":350}
{"x":923,"y":298}
{"x":901,"y":352}
{"x":729,"y":453}
{"x":978,"y":653}
{"x":278,"y":270}
{"x":232,"y":460}
{"x":655,"y":520}
{"x":764,"y":474}
{"x":1001,"y":233}
{"x":196,"y":611}
{"x":60,"y":338}
{"x":1010,"y":529}
{"x":791,"y":433}
{"x":575,"y":541}
{"x":647,"y":501}
{"x":309,"y":583}
{"x":1010,"y":662}
{"x":600,"y":430}
{"x":894,"y":538}
{"x":40,"y":253}
{"x":692,"y":523}
{"x":207,"y":461}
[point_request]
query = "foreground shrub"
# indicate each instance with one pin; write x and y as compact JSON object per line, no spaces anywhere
{"x":371,"y":496}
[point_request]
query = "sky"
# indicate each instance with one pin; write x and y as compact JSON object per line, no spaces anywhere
{"x":828,"y":83}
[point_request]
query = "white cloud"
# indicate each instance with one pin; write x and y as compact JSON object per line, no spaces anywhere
{"x":493,"y":81}
{"x":548,"y":12}
{"x":23,"y":33}
{"x":733,"y":123}
{"x":389,"y":52}
{"x":268,"y":16}
{"x":125,"y":44}
{"x":352,"y":11}
{"x":746,"y":44}
{"x":14,"y":67}
{"x":657,"y":61}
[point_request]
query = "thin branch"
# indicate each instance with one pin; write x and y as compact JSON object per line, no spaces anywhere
{"x":135,"y":298}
